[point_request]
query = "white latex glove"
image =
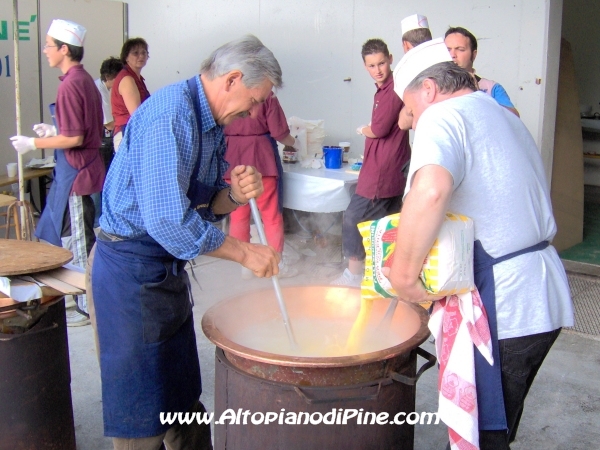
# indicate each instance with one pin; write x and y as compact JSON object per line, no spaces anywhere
{"x":359,"y":129}
{"x":23,"y":144}
{"x":44,"y":130}
{"x":296,"y":145}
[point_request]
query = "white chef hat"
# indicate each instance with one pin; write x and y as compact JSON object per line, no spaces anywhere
{"x":413,"y":22}
{"x":416,"y":60}
{"x":68,"y":32}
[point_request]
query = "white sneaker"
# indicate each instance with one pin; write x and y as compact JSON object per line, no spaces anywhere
{"x":285,"y":271}
{"x":347,"y":279}
{"x":76,"y":319}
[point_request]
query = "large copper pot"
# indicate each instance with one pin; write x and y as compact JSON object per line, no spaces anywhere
{"x":222,"y":322}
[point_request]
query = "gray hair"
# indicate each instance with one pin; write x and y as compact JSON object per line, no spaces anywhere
{"x":249,"y":56}
{"x":448,"y":76}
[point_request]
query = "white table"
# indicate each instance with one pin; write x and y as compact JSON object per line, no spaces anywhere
{"x":318,"y":190}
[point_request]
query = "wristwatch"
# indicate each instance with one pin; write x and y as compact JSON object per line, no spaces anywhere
{"x":233,"y":200}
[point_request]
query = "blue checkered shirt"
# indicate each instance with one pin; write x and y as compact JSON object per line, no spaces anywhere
{"x":146,"y":186}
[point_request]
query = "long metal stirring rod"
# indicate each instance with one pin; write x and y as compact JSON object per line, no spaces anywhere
{"x":387,"y":318}
{"x":278,"y":294}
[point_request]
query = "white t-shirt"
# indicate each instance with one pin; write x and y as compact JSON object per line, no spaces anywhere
{"x":105,"y":94}
{"x":499,"y":182}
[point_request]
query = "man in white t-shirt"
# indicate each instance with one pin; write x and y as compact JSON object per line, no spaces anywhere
{"x":472,"y":156}
{"x":109,"y":69}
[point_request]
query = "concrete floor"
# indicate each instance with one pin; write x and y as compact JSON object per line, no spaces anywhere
{"x":562,"y":410}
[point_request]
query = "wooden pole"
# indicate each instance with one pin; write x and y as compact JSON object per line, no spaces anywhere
{"x":17,"y":73}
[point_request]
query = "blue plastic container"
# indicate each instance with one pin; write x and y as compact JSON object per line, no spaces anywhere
{"x":332,"y":157}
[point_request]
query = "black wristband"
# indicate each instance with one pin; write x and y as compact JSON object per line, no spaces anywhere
{"x":233,"y":200}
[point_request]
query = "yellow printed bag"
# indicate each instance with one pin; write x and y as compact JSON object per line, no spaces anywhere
{"x":448,"y":267}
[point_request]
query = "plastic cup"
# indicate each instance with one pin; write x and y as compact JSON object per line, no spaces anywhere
{"x":11,"y":169}
{"x":345,"y":146}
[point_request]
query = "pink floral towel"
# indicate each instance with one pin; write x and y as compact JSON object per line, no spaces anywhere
{"x":457,"y":323}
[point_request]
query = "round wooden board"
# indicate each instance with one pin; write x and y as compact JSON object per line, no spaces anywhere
{"x":22,"y":257}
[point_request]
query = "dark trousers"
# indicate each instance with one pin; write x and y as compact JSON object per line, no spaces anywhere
{"x":521,"y":358}
{"x":359,"y":210}
{"x":107,"y":153}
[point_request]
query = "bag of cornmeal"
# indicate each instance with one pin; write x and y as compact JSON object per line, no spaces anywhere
{"x":448,"y":267}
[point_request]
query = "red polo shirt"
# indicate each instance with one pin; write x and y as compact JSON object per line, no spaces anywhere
{"x":381,"y":173}
{"x":246,"y":140}
{"x":79,"y":113}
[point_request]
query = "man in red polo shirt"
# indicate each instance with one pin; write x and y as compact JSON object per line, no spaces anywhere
{"x":387,"y":150}
{"x":68,"y":218}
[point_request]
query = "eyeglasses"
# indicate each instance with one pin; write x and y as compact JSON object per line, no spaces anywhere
{"x":142,"y":53}
{"x":48,"y":46}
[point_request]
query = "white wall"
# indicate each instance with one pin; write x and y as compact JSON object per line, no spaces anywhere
{"x":547,"y":100}
{"x":318,"y":45}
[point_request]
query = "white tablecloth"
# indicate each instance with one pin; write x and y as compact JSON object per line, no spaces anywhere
{"x":318,"y":190}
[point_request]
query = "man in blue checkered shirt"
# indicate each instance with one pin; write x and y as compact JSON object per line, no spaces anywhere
{"x":164,"y":188}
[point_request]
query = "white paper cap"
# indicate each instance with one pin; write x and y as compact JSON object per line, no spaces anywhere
{"x":413,"y":22}
{"x":67,"y":32}
{"x":416,"y":60}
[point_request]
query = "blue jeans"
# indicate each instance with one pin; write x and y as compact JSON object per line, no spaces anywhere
{"x":521,"y":358}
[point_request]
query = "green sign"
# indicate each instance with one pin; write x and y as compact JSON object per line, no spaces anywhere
{"x":22,"y":29}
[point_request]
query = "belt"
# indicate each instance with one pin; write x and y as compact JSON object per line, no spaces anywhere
{"x":104,"y":236}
